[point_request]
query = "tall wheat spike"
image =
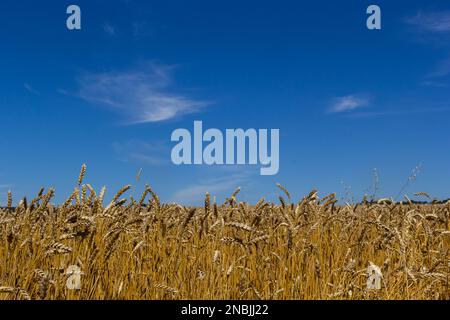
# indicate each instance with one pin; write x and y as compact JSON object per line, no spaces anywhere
{"x":81,"y":175}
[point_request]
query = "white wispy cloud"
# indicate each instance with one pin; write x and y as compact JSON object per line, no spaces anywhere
{"x":141,"y":95}
{"x":431,"y":21}
{"x":348,"y":103}
{"x":434,"y":27}
{"x":29,"y":88}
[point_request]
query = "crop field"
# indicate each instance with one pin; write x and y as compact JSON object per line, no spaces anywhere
{"x":144,"y":249}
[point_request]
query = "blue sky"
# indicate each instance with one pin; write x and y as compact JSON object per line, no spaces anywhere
{"x":346,"y":99}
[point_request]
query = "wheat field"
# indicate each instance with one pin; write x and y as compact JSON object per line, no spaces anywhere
{"x":144,"y":249}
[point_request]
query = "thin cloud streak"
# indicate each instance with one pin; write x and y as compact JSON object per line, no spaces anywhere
{"x":141,"y":95}
{"x":394,"y":113}
{"x":434,"y":27}
{"x":437,"y":22}
{"x":348,"y":103}
{"x":30,"y":89}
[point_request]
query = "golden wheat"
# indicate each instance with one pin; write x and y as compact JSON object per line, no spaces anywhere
{"x":313,"y":249}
